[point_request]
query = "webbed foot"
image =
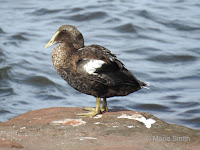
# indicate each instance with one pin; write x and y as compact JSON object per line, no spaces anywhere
{"x":92,"y":111}
{"x":95,"y":111}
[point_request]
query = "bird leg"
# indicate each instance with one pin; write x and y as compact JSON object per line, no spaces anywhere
{"x":104,"y":106}
{"x":92,"y":111}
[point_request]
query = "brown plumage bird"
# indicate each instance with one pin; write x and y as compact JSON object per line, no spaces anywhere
{"x":91,"y":69}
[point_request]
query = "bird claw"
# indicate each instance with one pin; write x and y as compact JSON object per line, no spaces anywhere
{"x":91,"y":113}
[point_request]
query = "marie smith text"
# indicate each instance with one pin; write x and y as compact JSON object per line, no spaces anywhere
{"x":169,"y":138}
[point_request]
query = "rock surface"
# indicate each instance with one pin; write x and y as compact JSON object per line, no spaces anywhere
{"x":59,"y":129}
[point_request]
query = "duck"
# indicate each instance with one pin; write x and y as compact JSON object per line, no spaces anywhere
{"x":91,"y":69}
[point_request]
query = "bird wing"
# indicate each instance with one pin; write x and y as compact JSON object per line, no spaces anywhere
{"x":99,"y":64}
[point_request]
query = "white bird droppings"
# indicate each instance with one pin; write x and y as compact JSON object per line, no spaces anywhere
{"x":140,"y":118}
{"x":98,"y":116}
{"x":130,"y":126}
{"x":87,"y":138}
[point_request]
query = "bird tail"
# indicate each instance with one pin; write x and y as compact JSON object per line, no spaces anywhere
{"x":145,"y":84}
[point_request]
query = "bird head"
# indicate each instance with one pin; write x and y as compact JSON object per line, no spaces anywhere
{"x":67,"y":34}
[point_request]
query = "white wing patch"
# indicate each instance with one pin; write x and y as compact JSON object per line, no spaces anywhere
{"x":91,"y":66}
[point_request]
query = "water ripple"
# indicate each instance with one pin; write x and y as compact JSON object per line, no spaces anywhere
{"x":153,"y":107}
{"x":170,"y":97}
{"x":126,"y":28}
{"x":172,"y":58}
{"x":186,"y":104}
{"x":38,"y":81}
{"x":195,"y":121}
{"x":4,"y":73}
{"x":3,"y":111}
{"x":2,"y":56}
{"x":180,"y":25}
{"x":88,"y":16}
{"x":193,"y":111}
{"x":6,"y":91}
{"x":1,"y":31}
{"x":19,"y":37}
{"x":44,"y":11}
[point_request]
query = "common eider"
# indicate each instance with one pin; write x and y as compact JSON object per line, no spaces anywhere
{"x":91,"y":69}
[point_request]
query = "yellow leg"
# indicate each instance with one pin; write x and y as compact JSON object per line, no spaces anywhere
{"x":92,"y":111}
{"x":104,"y":106}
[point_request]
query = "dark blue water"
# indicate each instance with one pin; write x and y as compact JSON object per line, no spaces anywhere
{"x":157,"y":40}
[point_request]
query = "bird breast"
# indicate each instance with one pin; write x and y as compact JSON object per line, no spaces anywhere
{"x":59,"y":57}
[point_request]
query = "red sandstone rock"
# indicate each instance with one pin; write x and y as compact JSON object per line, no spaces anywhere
{"x":9,"y":144}
{"x":59,"y":128}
